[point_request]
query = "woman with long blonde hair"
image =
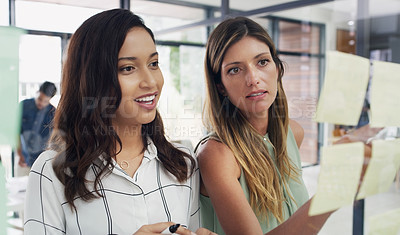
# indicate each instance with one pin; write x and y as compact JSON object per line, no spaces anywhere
{"x":250,"y":164}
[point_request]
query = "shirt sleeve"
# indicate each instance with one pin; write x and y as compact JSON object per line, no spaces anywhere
{"x":44,"y":212}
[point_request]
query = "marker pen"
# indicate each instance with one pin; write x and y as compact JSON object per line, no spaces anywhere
{"x":171,"y":229}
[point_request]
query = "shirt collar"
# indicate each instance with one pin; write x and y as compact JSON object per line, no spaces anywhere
{"x":150,"y":153}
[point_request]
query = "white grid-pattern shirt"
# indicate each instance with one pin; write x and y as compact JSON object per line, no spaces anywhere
{"x":152,"y":195}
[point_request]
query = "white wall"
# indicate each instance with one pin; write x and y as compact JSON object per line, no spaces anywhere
{"x":4,"y":13}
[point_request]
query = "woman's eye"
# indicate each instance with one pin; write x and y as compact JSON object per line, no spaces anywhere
{"x":233,"y":70}
{"x":154,"y":64}
{"x":127,"y":68}
{"x":263,"y":62}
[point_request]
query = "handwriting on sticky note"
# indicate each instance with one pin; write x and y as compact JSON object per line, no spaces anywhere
{"x":339,"y":177}
{"x":344,"y":89}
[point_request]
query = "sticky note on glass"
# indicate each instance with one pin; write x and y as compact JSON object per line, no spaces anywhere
{"x":385,"y":95}
{"x":343,"y":92}
{"x":3,"y":200}
{"x":9,"y":66}
{"x":387,"y":223}
{"x":338,"y":178}
{"x":382,"y":168}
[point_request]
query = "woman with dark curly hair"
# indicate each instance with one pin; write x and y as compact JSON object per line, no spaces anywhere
{"x":109,"y":168}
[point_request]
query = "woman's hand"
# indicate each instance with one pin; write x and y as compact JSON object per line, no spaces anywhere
{"x":158,"y":228}
{"x":203,"y":231}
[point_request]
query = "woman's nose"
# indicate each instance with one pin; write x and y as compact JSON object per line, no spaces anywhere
{"x":252,"y":77}
{"x":148,"y":79}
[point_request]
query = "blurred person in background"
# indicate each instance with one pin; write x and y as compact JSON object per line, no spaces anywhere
{"x":37,"y":116}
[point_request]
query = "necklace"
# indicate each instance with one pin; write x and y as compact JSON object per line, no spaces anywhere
{"x":266,"y":139}
{"x":124,"y":164}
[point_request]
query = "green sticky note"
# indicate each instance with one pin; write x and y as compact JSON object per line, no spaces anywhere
{"x":345,"y":85}
{"x":3,"y":200}
{"x":385,"y":95}
{"x":9,"y":66}
{"x":387,"y":223}
{"x":382,"y":168}
{"x":339,"y":176}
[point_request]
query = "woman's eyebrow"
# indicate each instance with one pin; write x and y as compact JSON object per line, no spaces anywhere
{"x":135,"y":58}
{"x":257,"y":56}
{"x":231,"y":64}
{"x":262,"y":54}
{"x":127,"y":58}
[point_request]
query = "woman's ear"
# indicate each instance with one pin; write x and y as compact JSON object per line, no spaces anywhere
{"x":221,"y":89}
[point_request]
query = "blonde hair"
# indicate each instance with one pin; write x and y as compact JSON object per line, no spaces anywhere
{"x":232,"y":128}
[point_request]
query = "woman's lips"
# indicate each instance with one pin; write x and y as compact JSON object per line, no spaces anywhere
{"x":256,"y":95}
{"x":147,"y":101}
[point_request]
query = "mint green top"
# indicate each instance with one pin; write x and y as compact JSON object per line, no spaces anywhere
{"x":297,"y":190}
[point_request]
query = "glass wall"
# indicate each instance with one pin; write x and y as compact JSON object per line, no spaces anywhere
{"x":303,"y":35}
{"x":298,"y":36}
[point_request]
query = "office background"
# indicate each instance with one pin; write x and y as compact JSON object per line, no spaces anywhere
{"x":303,"y":31}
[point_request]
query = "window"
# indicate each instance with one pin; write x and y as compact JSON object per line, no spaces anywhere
{"x":40,"y":60}
{"x":4,"y":14}
{"x":52,"y":17}
{"x":298,"y":37}
{"x":299,"y":46}
{"x":183,"y":92}
{"x":301,"y":82}
{"x":160,"y":16}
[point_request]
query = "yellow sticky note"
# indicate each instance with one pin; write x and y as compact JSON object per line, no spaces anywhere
{"x":345,"y":85}
{"x":387,"y":223}
{"x":385,"y":95}
{"x":3,"y":200}
{"x":338,"y":178}
{"x":382,"y":168}
{"x":9,"y":61}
